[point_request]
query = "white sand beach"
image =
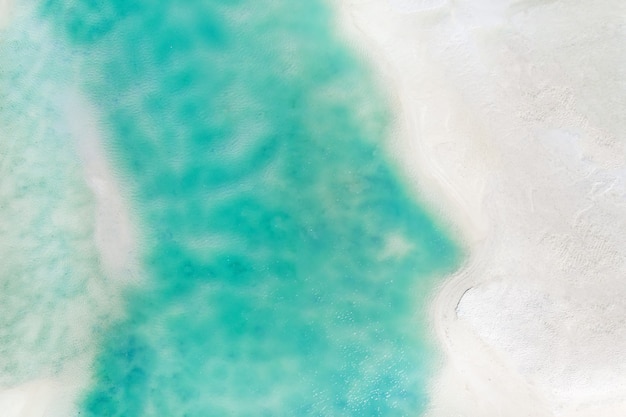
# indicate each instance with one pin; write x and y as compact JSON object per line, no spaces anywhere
{"x":510,"y":120}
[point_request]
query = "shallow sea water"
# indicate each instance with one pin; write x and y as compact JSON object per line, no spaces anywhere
{"x":287,"y":262}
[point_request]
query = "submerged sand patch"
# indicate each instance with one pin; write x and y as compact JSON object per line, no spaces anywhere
{"x":66,"y":242}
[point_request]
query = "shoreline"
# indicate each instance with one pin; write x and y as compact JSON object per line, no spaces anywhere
{"x":429,"y":180}
{"x":517,"y":155}
{"x":495,"y":128}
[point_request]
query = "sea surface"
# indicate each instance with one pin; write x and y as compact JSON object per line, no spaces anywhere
{"x":287,"y":262}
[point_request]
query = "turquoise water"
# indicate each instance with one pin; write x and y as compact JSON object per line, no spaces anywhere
{"x":287,"y":261}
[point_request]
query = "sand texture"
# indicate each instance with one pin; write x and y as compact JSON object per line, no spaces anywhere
{"x":508,"y":119}
{"x":511,"y":122}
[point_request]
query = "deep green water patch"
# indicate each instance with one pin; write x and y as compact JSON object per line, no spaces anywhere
{"x":284,"y":251}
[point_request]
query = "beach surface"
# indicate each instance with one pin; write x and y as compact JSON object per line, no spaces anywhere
{"x":510,"y":122}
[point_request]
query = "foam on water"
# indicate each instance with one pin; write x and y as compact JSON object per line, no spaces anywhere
{"x":287,"y":263}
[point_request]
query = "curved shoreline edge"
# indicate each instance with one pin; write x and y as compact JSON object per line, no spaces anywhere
{"x":508,"y":121}
{"x":107,"y":229}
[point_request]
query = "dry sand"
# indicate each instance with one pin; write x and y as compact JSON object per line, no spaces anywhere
{"x":511,"y":122}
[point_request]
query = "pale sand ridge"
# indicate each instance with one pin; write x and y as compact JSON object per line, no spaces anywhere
{"x":115,"y":232}
{"x":511,"y":121}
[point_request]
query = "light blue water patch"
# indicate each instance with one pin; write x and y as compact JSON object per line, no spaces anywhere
{"x":50,"y":272}
{"x":287,"y":260}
